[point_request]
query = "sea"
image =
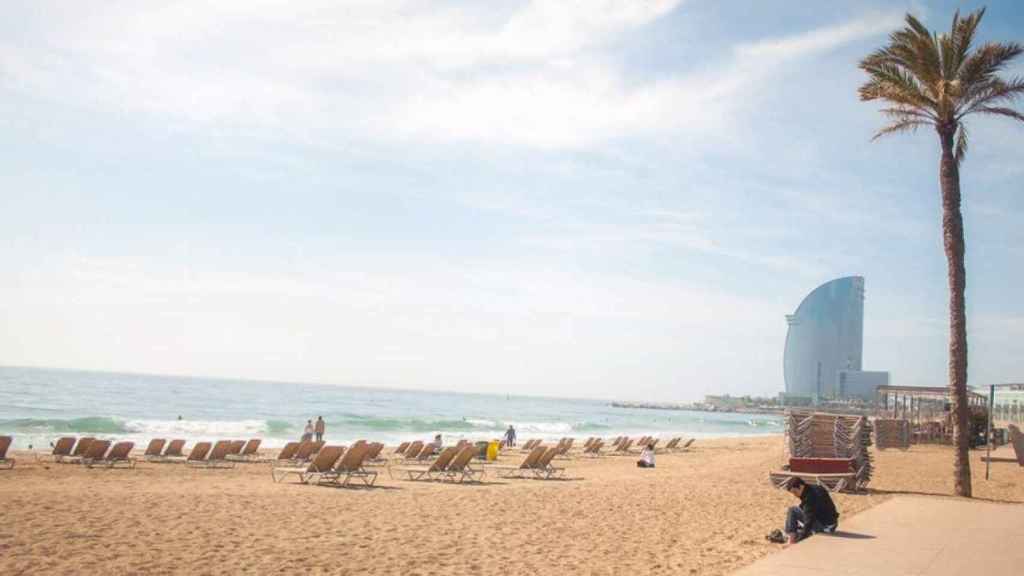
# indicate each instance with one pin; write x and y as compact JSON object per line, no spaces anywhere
{"x":39,"y":405}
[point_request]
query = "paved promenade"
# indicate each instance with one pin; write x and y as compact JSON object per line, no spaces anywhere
{"x":910,"y":535}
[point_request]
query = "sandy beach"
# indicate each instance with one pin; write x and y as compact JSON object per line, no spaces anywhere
{"x":701,"y":512}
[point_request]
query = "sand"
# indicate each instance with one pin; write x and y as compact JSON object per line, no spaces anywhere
{"x":701,"y":512}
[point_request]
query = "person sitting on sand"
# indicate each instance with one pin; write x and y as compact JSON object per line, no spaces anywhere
{"x":816,"y":513}
{"x":435,"y":446}
{"x":646,"y":457}
{"x":307,"y":434}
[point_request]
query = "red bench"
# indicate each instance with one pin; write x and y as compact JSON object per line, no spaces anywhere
{"x":822,"y":465}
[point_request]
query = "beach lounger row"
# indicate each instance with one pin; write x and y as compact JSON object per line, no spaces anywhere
{"x":453,"y":464}
{"x":93,"y":452}
{"x":537,"y":464}
{"x":333,"y":465}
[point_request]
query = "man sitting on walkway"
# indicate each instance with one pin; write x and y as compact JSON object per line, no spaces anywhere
{"x":816,"y":512}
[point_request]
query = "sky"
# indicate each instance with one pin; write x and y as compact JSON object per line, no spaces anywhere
{"x":590,"y":198}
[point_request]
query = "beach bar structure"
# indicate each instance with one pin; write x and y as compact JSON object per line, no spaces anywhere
{"x":917,"y":403}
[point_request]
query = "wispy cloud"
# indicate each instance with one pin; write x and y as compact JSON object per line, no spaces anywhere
{"x":538,"y":75}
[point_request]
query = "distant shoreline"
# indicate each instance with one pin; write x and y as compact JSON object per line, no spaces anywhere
{"x":698,"y":408}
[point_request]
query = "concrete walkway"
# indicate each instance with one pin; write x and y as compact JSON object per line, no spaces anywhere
{"x":911,"y":535}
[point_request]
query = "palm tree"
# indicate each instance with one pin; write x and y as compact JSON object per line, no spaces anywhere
{"x":938,"y":80}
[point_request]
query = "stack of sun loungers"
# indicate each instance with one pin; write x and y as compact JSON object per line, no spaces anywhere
{"x":827,"y":449}
{"x":892,"y":433}
{"x":5,"y":444}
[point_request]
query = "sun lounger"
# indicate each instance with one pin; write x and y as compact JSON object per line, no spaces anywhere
{"x":624,"y":446}
{"x":120,"y":454}
{"x":324,"y":461}
{"x":154,"y":450}
{"x":251,"y":451}
{"x":413,"y":450}
{"x":307,"y":449}
{"x":96,"y":451}
{"x":62,"y":448}
{"x":543,"y":468}
{"x":287,"y":453}
{"x":564,"y":446}
{"x":433,"y":470}
{"x":349,"y":467}
{"x":217,"y":457}
{"x":81,"y":448}
{"x":524,"y":468}
{"x":198,"y":452}
{"x":202,"y":456}
{"x":531,"y":444}
{"x":174,"y":449}
{"x":235,"y":448}
{"x":425,"y":454}
{"x":248,"y":451}
{"x":374,"y":454}
{"x":5,"y":444}
{"x":401,"y":448}
{"x":460,"y":469}
{"x":594,"y":450}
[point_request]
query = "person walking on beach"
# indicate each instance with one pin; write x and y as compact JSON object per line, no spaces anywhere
{"x":319,"y":428}
{"x":646,"y":457}
{"x":816,"y":513}
{"x":307,"y":434}
{"x":510,"y":436}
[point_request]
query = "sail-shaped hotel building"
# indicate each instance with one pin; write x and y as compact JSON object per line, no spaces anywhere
{"x":825,"y":343}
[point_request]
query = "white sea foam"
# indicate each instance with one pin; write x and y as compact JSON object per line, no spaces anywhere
{"x":197,"y":428}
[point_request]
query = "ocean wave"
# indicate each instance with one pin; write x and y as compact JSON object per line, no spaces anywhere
{"x":89,"y":424}
{"x":462,"y":425}
{"x":144,"y":427}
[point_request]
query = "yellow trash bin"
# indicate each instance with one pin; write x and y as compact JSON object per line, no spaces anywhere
{"x":492,"y":451}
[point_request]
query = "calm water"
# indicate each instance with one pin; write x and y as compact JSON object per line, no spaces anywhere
{"x":38,"y":405}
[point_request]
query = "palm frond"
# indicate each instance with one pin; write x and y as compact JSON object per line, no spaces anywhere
{"x":962,"y":33}
{"x":1000,"y":111}
{"x":907,"y":125}
{"x":906,"y":113}
{"x":987,"y":60}
{"x":938,"y":79}
{"x":893,"y":83}
{"x":917,"y":53}
{"x":961,"y":145}
{"x":991,"y":93}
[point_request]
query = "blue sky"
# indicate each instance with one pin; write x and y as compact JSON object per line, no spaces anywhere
{"x":605,"y":199}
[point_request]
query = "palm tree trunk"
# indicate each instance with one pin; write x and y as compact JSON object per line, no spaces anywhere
{"x":953,"y":242}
